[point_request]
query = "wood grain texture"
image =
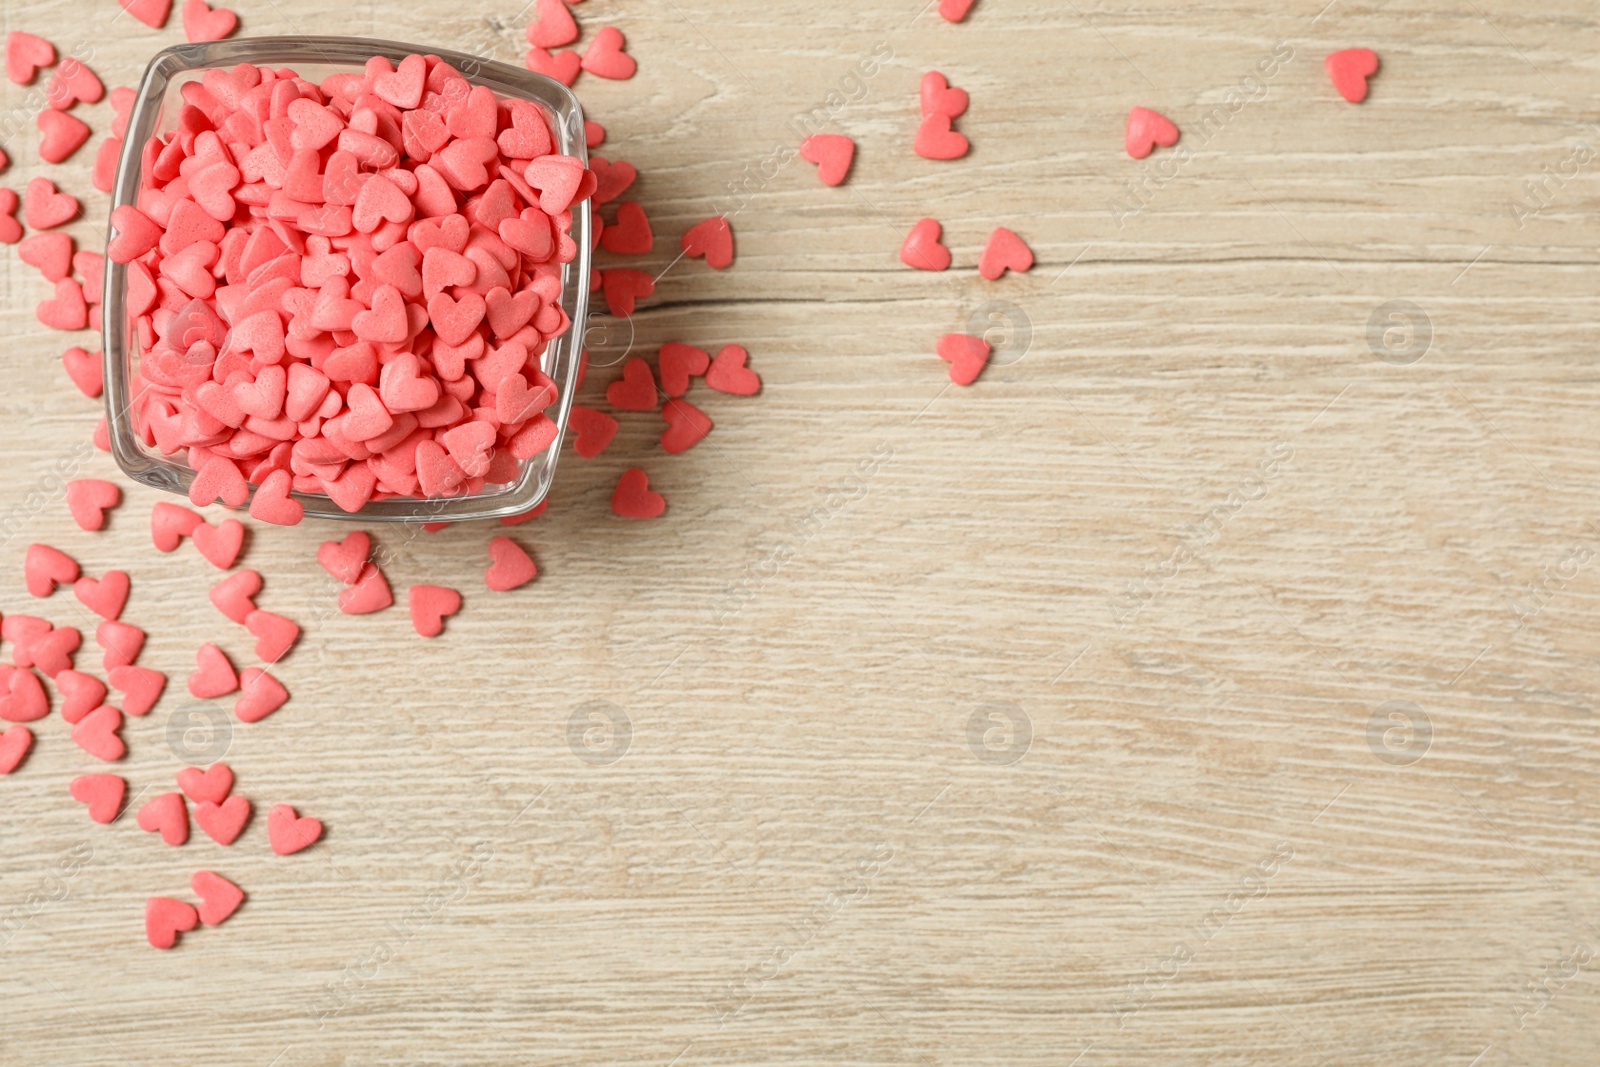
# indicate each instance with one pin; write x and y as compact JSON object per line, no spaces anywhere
{"x":814,"y":848}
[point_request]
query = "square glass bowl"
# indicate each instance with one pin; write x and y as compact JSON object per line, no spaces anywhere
{"x":155,"y":110}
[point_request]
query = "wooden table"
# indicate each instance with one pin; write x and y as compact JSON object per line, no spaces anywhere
{"x":1211,"y":682}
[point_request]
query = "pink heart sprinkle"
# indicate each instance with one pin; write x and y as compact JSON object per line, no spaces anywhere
{"x":219,"y":898}
{"x":633,"y":497}
{"x":165,"y":918}
{"x":214,"y":675}
{"x":289,"y":833}
{"x":711,"y":238}
{"x":1349,"y":71}
{"x":832,"y":152}
{"x":140,"y":687}
{"x":222,"y":821}
{"x":168,"y":815}
{"x":922,"y":249}
{"x":25,"y":54}
{"x":1005,"y":251}
{"x":96,"y":734}
{"x":728,"y":373}
{"x":211,"y":784}
{"x":234,"y":596}
{"x":369,"y":594}
{"x":89,"y":499}
{"x":260,"y":694}
{"x":510,"y":565}
{"x":965,"y":354}
{"x":605,"y":56}
{"x":1145,"y":130}
{"x":103,"y":794}
{"x":430,"y":606}
{"x":201,"y":22}
{"x":14,"y":745}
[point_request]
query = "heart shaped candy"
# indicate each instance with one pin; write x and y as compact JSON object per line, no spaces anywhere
{"x":509,"y":565}
{"x":938,"y":98}
{"x":50,"y":252}
{"x":165,"y":918}
{"x":1145,"y":130}
{"x":223,"y":822}
{"x":552,"y":25}
{"x":686,"y":425}
{"x":678,"y":364}
{"x":51,"y":652}
{"x":14,"y":745}
{"x":235,"y":595}
{"x":96,"y":734}
{"x":260,"y":694}
{"x":562,"y":66}
{"x":201,"y":22}
{"x":44,"y":568}
{"x":1349,"y":70}
{"x":345,"y":559}
{"x":23,"y":630}
{"x":594,"y":429}
{"x":66,"y":310}
{"x":289,"y":833}
{"x":403,"y":88}
{"x":167,"y":815}
{"x":218,"y":479}
{"x":170,"y":524}
{"x":471,"y":444}
{"x":635,"y":390}
{"x":937,"y":140}
{"x":630,"y":235}
{"x":140,"y":687}
{"x":611,"y":179}
{"x":102,"y":792}
{"x":106,"y":596}
{"x":557,"y":179}
{"x":430,"y":606}
{"x":219,"y":898}
{"x":213,"y":675}
{"x":713,"y":239}
{"x":954,"y":10}
{"x":22,"y":695}
{"x":623,"y":286}
{"x":45,"y":207}
{"x":605,"y":56}
{"x":152,"y":13}
{"x":25,"y":54}
{"x":85,"y":370}
{"x":211,"y":784}
{"x":272,"y":502}
{"x":728,"y":373}
{"x":10,"y":228}
{"x":60,"y":135}
{"x":89,"y":499}
{"x":274,"y":635}
{"x":633,"y":497}
{"x":454,"y":320}
{"x":370,"y":593}
{"x":832,"y":152}
{"x":80,"y":694}
{"x":72,"y":82}
{"x":965,"y":354}
{"x":1005,"y":251}
{"x":220,"y":544}
{"x":922,"y":249}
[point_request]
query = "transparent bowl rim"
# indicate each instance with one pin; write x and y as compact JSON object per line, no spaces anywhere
{"x":562,"y":354}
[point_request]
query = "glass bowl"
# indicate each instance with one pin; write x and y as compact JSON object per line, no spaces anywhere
{"x":313,"y":58}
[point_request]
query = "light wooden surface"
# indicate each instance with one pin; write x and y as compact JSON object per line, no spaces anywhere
{"x":807,"y":853}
